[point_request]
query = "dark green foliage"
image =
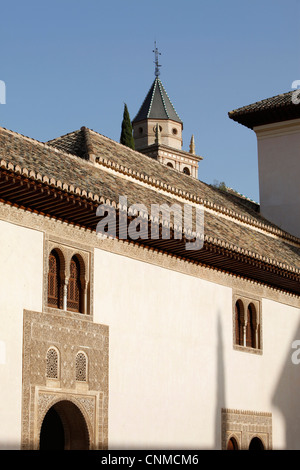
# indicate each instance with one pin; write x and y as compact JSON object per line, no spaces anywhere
{"x":126,"y":133}
{"x":220,"y":185}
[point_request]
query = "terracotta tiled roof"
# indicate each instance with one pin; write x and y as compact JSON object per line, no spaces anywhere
{"x":231,"y":222}
{"x":275,"y":109}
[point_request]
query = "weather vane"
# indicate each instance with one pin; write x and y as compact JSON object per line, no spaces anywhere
{"x":157,"y":72}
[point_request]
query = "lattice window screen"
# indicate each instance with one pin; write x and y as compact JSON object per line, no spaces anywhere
{"x":81,"y":367}
{"x":73,"y":300}
{"x":52,"y":366}
{"x":54,"y":284}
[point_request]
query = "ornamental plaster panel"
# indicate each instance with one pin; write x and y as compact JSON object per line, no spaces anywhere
{"x":244,"y":425}
{"x":68,"y":335}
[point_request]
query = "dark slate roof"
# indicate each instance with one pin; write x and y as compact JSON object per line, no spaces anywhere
{"x":275,"y":109}
{"x":157,"y":105}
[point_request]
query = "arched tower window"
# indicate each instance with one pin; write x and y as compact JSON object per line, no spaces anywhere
{"x":250,"y":327}
{"x":55,"y":290}
{"x":52,"y":363}
{"x":186,"y":170}
{"x":81,"y":367}
{"x":74,"y":287}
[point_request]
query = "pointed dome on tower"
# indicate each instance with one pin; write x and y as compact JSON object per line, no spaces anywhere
{"x":157,"y":105}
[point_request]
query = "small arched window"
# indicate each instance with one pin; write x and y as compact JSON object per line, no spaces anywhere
{"x":186,"y":171}
{"x":55,"y":292}
{"x":74,"y":287}
{"x":52,"y":363}
{"x":170,"y":165}
{"x":239,"y":316}
{"x":232,"y":444}
{"x":256,"y":444}
{"x":81,"y":367}
{"x":250,"y":327}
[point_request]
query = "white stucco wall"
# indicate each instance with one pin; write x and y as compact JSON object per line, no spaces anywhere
{"x":279,"y":166}
{"x":281,"y":325}
{"x":172,"y":362}
{"x":21,"y":274}
{"x":158,"y":365}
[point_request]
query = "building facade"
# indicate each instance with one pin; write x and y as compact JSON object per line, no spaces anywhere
{"x":111,"y":341}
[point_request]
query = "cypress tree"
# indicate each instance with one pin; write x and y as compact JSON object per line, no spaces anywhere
{"x":126,"y":133}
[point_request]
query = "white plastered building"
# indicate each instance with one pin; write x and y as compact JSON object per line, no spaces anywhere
{"x":138,"y":343}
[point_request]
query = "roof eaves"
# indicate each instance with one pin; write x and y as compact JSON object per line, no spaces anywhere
{"x":277,"y":108}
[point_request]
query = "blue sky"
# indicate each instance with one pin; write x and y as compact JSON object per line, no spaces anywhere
{"x":68,"y":64}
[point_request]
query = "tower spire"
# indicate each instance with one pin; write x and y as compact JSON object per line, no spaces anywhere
{"x":156,"y":53}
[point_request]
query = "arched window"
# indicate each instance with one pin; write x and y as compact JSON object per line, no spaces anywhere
{"x":55,"y":291}
{"x":74,"y":287}
{"x":186,"y":171}
{"x":81,"y":367}
{"x":250,"y":327}
{"x":170,"y":165}
{"x":52,"y":363}
{"x":256,"y":444}
{"x":232,"y":444}
{"x":239,"y":317}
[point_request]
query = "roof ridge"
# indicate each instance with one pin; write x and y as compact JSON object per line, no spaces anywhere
{"x":162,"y":97}
{"x":161,"y":84}
{"x":193,"y":198}
{"x":152,"y":96}
{"x":264,"y":100}
{"x":63,"y":135}
{"x":39,"y":142}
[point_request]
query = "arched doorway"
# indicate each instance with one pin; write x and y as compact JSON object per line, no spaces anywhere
{"x":64,"y":428}
{"x":232,"y":444}
{"x":256,"y":444}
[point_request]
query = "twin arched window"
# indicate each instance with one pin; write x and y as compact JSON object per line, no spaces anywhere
{"x":247,"y":324}
{"x":64,"y":293}
{"x":255,"y":444}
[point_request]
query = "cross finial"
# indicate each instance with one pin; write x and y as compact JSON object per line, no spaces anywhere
{"x":157,"y":72}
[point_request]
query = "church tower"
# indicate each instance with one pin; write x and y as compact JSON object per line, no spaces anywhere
{"x":157,"y":130}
